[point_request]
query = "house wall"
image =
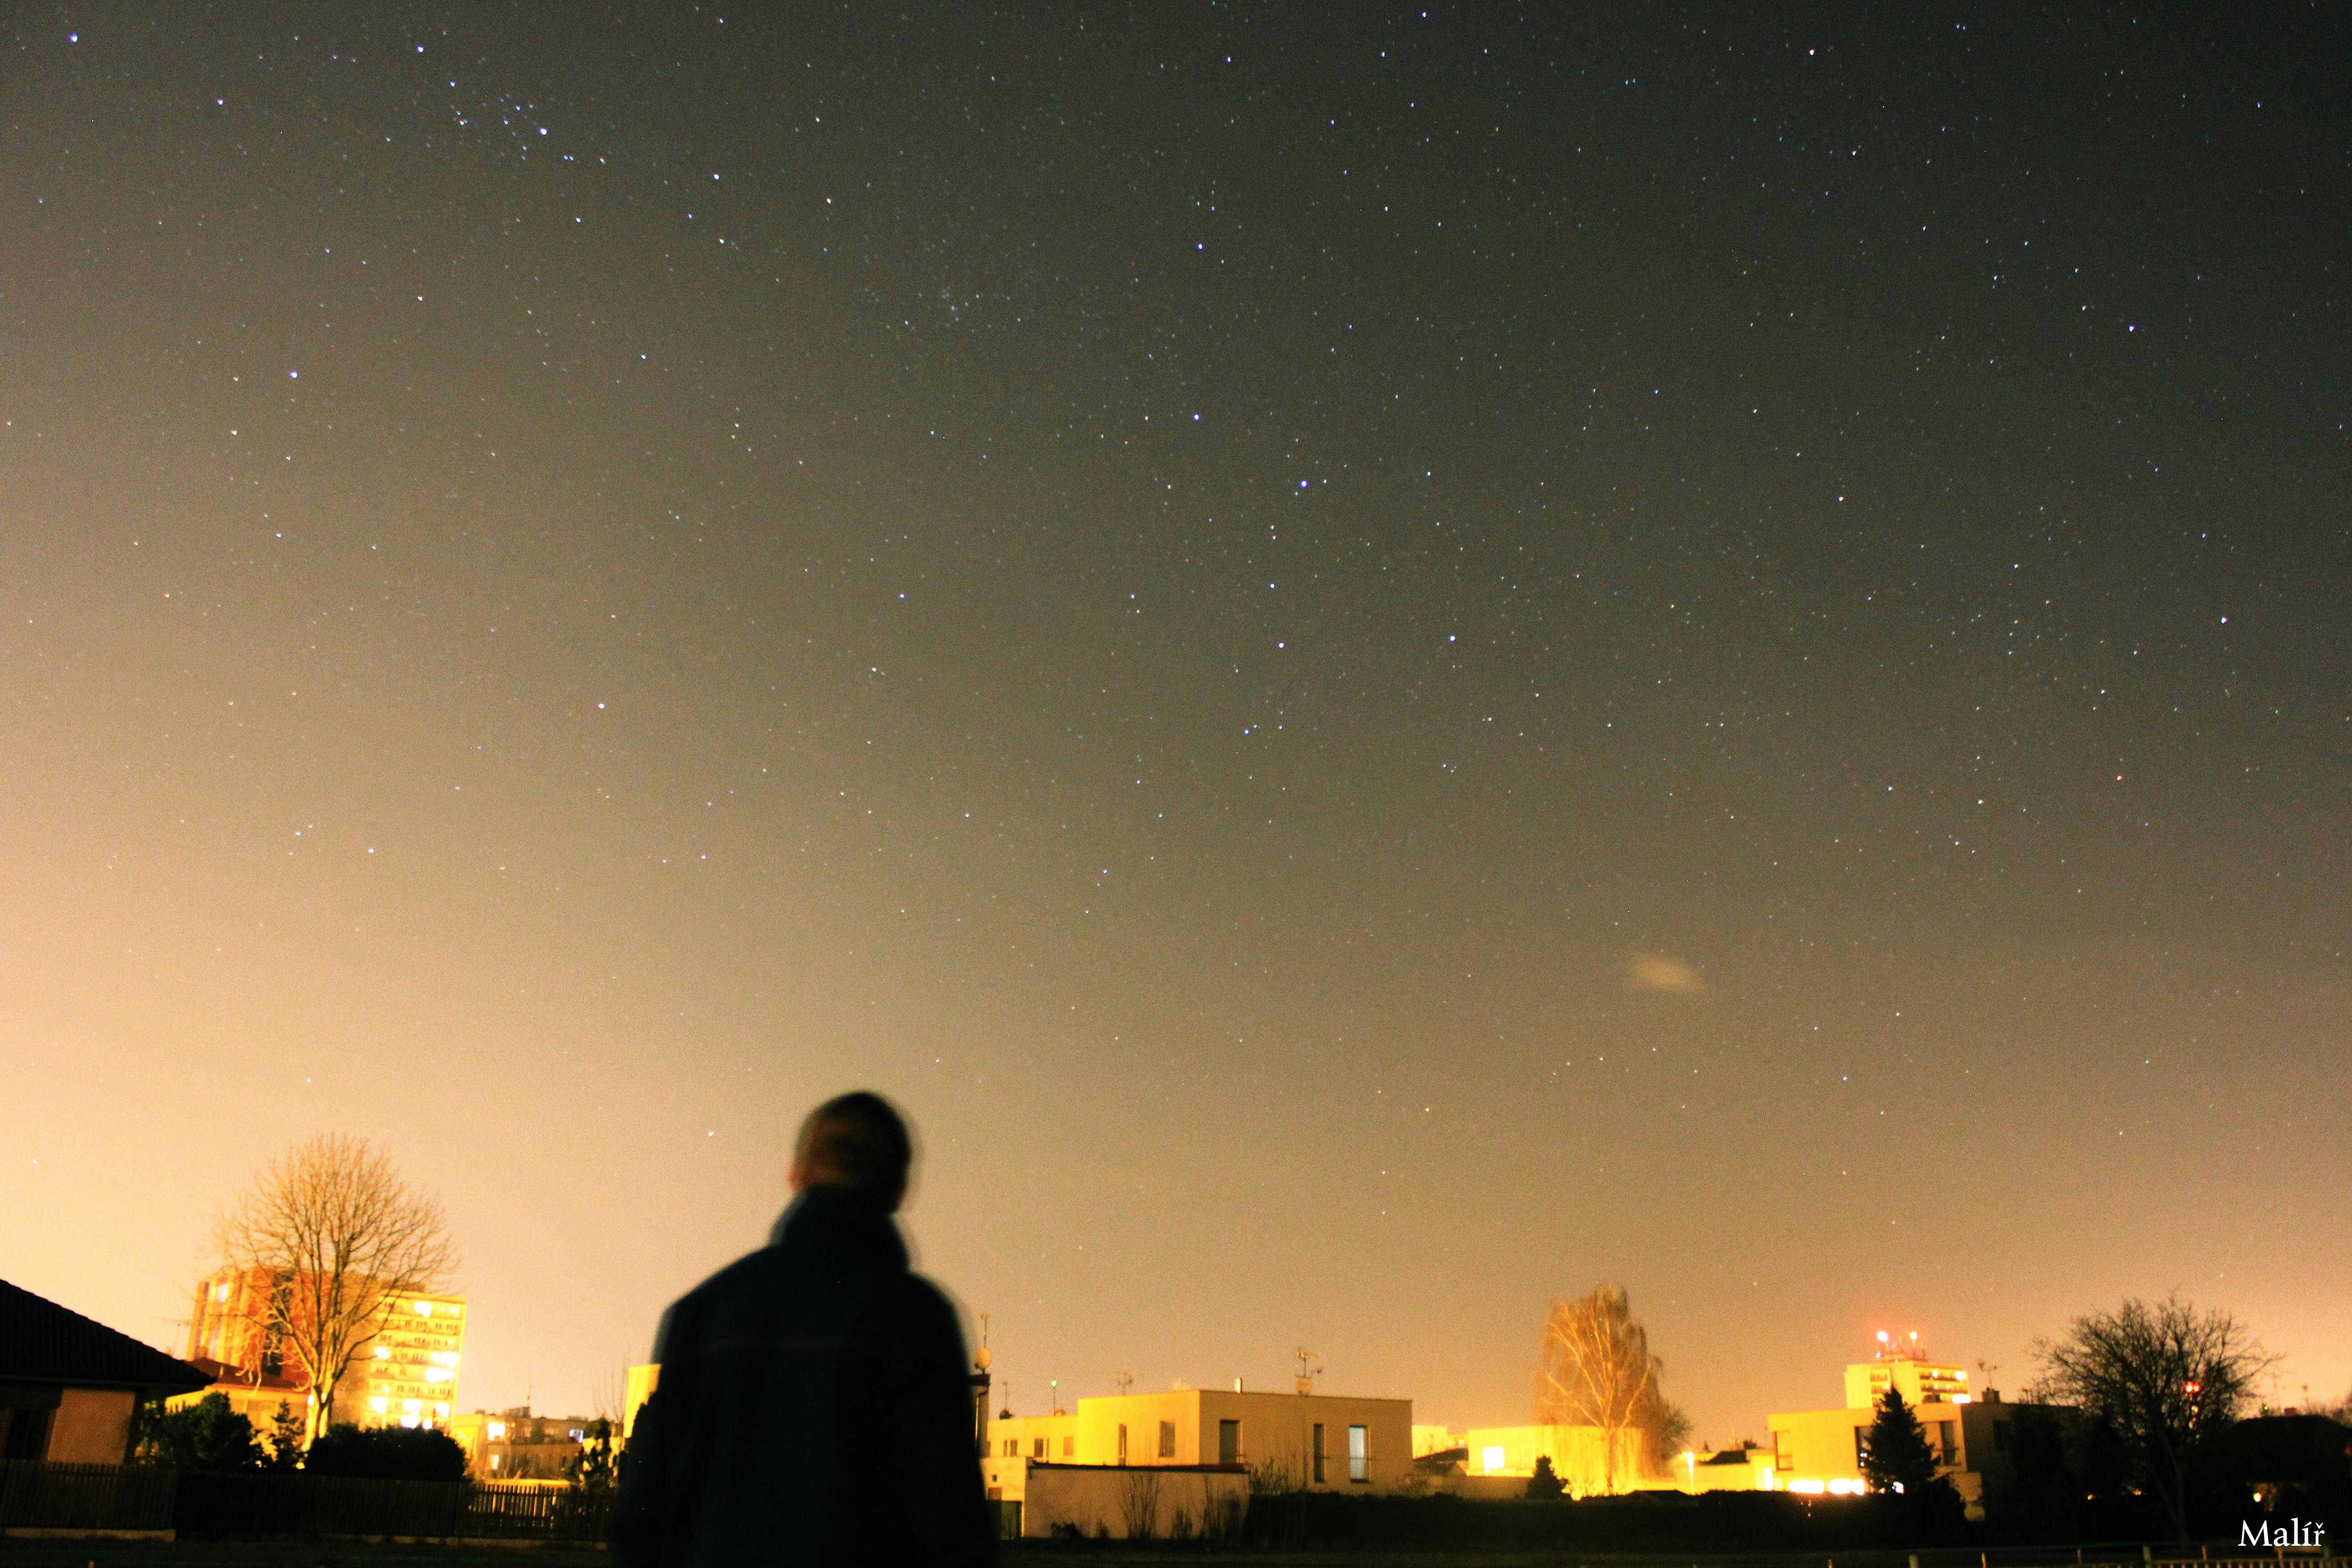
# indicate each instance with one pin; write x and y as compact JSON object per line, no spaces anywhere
{"x":1058,"y":1434}
{"x":1817,"y":1446}
{"x":1276,"y":1432}
{"x":91,"y":1427}
{"x":1141,"y":1501}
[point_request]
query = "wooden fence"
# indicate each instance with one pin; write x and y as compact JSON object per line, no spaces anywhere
{"x":39,"y":1496}
{"x":264,"y":1503}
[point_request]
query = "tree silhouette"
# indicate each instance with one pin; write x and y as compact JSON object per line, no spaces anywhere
{"x":343,"y":1236}
{"x":2168,"y":1378}
{"x":1896,"y":1456}
{"x":1597,"y":1371}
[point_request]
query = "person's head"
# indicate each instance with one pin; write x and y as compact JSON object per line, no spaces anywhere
{"x":854,"y":1144}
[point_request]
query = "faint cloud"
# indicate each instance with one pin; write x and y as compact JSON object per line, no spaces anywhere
{"x":1658,"y":971}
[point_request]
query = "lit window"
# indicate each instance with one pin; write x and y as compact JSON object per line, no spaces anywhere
{"x":494,"y":1461}
{"x":424,"y":1309}
{"x":1493,"y":1458}
{"x":497,"y":1429}
{"x":1359,"y":1464}
{"x":378,"y":1403}
{"x":383,"y":1353}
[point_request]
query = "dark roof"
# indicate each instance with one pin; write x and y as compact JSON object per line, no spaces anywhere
{"x":41,"y":1342}
{"x":226,"y":1376}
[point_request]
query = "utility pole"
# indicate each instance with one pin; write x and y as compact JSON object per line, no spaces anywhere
{"x":980,"y":1383}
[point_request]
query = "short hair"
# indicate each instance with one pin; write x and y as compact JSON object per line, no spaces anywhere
{"x":855,"y":1142}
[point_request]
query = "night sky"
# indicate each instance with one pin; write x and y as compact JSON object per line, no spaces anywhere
{"x":1384,"y":663}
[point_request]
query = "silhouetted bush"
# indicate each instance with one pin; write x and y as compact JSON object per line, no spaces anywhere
{"x":388,"y":1453}
{"x":206,"y":1436}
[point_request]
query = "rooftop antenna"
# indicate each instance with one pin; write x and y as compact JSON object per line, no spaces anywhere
{"x":1309,"y":1363}
{"x":1125,"y":1380}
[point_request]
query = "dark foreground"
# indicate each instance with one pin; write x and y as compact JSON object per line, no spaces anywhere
{"x":296,"y":1553}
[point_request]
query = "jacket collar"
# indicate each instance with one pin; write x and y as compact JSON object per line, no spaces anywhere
{"x":821,"y":1220}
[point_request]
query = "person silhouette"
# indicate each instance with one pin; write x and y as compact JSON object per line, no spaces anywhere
{"x":812,"y":1404}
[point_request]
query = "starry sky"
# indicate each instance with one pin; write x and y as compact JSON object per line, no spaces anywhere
{"x":1383,"y":662}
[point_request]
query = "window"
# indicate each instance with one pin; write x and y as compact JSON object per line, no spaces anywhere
{"x":1318,"y":1452}
{"x":1861,"y":1447}
{"x":1784,"y":1451}
{"x":1012,"y":1447}
{"x":1229,"y":1442}
{"x":1168,"y":1439}
{"x":1122,"y":1442}
{"x":2000,"y":1436}
{"x":1069,"y":1447}
{"x":1359,"y":1464}
{"x":1947,"y":1439}
{"x":1036,"y":1447}
{"x":24,"y":1434}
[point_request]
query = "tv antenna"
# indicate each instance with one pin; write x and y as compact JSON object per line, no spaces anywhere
{"x":1126,"y":1380}
{"x":1309,"y":1363}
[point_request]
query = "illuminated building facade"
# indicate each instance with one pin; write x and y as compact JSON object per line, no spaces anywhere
{"x":1312,"y":1442}
{"x":517,"y":1445}
{"x":1968,"y":1430}
{"x":406,"y":1376}
{"x":410,"y":1369}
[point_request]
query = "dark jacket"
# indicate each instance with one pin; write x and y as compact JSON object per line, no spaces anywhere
{"x":812,"y":1408}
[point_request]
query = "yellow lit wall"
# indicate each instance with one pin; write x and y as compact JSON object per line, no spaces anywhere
{"x":1367,"y":1444}
{"x":1919,"y":1382}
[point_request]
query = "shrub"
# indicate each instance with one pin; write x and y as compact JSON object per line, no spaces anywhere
{"x":388,"y":1453}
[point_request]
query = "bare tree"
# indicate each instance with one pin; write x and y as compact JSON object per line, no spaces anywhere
{"x":342,"y":1237}
{"x":1139,"y":1504}
{"x":608,"y":1400}
{"x":1597,"y":1371}
{"x":2168,"y":1378}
